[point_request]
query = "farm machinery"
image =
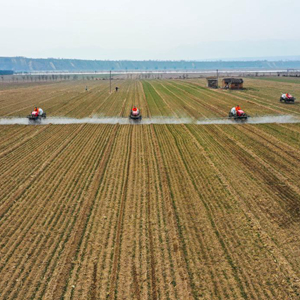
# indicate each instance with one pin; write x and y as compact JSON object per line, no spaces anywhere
{"x":135,"y":114}
{"x":237,"y":114}
{"x":287,"y":98}
{"x":37,"y":115}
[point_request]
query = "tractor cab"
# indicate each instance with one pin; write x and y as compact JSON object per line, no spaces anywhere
{"x":135,"y":114}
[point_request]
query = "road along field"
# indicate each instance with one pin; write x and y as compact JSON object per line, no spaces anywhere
{"x":153,"y":211}
{"x":150,"y":212}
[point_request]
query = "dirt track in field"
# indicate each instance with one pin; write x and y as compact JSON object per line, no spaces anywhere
{"x":156,"y":211}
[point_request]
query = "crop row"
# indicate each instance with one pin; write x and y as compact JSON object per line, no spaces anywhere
{"x":70,"y":99}
{"x":150,"y":211}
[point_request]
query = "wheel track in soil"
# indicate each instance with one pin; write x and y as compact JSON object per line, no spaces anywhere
{"x":295,"y":128}
{"x":272,"y":171}
{"x":267,"y":173}
{"x":276,"y":196}
{"x":290,"y":131}
{"x":287,"y":150}
{"x":255,"y":292}
{"x":278,"y":207}
{"x":280,"y":156}
{"x":280,"y":212}
{"x":272,"y":248}
{"x":275,"y":147}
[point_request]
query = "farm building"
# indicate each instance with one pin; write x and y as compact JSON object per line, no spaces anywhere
{"x":212,"y":83}
{"x":232,"y":83}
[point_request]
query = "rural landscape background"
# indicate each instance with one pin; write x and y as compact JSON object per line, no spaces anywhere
{"x":28,"y":65}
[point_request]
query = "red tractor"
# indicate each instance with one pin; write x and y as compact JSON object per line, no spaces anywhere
{"x":37,"y":115}
{"x":238,"y":114}
{"x":287,"y":98}
{"x":135,"y":114}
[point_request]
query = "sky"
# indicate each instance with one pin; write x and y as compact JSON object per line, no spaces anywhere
{"x":156,"y":29}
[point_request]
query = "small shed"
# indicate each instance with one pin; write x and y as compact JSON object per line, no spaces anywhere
{"x":232,"y":83}
{"x":212,"y":83}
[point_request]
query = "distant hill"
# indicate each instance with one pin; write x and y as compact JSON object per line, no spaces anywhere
{"x":23,"y":64}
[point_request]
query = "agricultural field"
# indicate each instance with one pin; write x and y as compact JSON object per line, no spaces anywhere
{"x":173,"y":98}
{"x":151,"y":211}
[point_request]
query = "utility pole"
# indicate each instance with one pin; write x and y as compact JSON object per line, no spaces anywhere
{"x":110,"y":81}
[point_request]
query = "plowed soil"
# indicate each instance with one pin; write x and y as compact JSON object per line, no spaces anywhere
{"x":151,"y":211}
